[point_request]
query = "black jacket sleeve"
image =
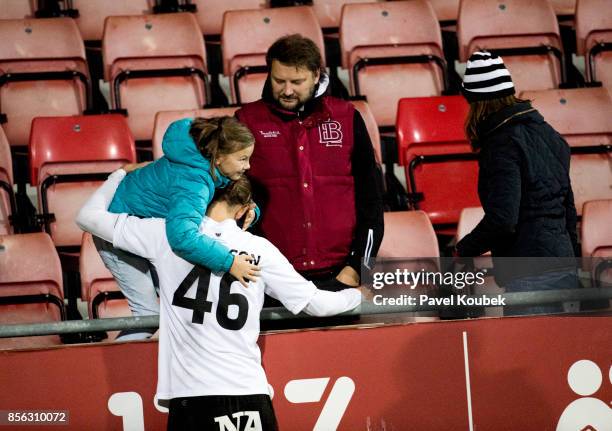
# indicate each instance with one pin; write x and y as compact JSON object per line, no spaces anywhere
{"x":368,"y":197}
{"x":501,"y":204}
{"x":571,"y":219}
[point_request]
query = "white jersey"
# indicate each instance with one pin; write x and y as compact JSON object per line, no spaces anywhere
{"x":209,"y":325}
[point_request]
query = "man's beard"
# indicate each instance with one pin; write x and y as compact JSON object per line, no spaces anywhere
{"x":299,"y":105}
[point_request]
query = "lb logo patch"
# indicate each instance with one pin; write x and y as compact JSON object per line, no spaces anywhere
{"x":330,"y":134}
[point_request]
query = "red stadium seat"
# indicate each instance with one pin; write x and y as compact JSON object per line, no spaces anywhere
{"x":18,"y":9}
{"x":469,"y":218}
{"x":7,"y":198}
{"x":248,"y":34}
{"x":154,"y":63}
{"x":69,"y":156}
{"x":98,"y":287}
{"x":328,"y":12}
{"x":408,"y":234}
{"x":400,"y":55}
{"x":92,"y":13}
{"x":370,"y":122}
{"x":596,"y":236}
{"x":564,"y":7}
{"x":210,"y":12}
{"x":43,"y":72}
{"x":164,"y":118}
{"x":594,"y":39}
{"x":582,"y":116}
{"x":31,"y":289}
{"x":446,"y":10}
{"x":524,"y":32}
{"x":441,"y":170}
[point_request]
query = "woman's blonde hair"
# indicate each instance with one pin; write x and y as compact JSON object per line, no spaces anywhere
{"x":219,"y":135}
{"x":480,"y":110}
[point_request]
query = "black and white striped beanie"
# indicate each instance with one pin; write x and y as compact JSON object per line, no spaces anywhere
{"x":486,"y":78}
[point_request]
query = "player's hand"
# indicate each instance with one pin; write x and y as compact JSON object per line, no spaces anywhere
{"x":250,"y":216}
{"x":243,"y":270}
{"x":366,"y":293}
{"x":348,"y":276}
{"x":129,"y":167}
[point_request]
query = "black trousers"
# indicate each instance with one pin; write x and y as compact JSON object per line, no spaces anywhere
{"x":222,"y":412}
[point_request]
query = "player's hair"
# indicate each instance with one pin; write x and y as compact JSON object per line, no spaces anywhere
{"x":238,"y":192}
{"x":482,"y":109}
{"x":219,"y":135}
{"x":296,"y":50}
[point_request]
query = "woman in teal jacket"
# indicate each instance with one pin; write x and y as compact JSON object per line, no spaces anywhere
{"x":200,"y":155}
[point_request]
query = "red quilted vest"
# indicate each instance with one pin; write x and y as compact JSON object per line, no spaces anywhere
{"x":304,"y":166}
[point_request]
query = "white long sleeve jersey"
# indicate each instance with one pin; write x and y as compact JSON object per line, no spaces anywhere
{"x":209,"y":323}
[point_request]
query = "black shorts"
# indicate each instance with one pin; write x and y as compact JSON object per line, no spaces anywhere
{"x":222,"y":412}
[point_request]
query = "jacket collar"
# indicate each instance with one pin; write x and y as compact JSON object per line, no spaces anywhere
{"x":314,"y":112}
{"x":522,"y":111}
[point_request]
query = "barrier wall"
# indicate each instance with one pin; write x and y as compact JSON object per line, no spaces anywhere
{"x":483,"y":374}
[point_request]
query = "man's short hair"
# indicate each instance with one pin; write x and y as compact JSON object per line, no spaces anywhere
{"x":296,"y":50}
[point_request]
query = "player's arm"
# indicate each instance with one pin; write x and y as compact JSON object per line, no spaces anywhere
{"x":298,"y":294}
{"x":142,"y":237}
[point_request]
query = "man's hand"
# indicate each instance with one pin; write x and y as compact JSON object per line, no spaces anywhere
{"x":250,"y":216}
{"x":366,"y":293}
{"x":348,"y":276}
{"x":129,"y":167}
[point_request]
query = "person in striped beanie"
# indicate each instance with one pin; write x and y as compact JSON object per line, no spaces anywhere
{"x":523,"y":184}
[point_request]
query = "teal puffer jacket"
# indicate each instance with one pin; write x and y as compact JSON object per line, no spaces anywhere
{"x":177,"y":187}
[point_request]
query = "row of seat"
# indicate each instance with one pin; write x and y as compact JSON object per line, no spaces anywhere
{"x":158,"y":62}
{"x":31,"y":276}
{"x":91,"y":13}
{"x":68,"y":155}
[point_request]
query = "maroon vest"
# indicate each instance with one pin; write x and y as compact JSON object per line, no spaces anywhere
{"x":305,"y":168}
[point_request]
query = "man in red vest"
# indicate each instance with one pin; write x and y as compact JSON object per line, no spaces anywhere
{"x":313,"y":169}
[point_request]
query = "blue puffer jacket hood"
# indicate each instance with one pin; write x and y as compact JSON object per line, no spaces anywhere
{"x":176,"y":148}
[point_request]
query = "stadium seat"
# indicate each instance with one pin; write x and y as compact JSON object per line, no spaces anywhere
{"x":594,"y":39}
{"x":441,"y":169}
{"x":524,"y":32}
{"x":18,"y":9}
{"x":31,"y":289}
{"x":328,"y":12}
{"x":43,"y":72}
{"x":98,"y":287}
{"x":164,"y":118}
{"x":564,"y":7}
{"x":370,"y":122}
{"x":154,"y":63}
{"x":408,"y":234}
{"x":469,"y":218}
{"x":246,"y":37}
{"x":596,"y":236}
{"x":446,"y":10}
{"x":582,"y":116}
{"x":69,"y":156}
{"x":210,"y":12}
{"x":92,"y":13}
{"x":7,"y":198}
{"x":400,"y":55}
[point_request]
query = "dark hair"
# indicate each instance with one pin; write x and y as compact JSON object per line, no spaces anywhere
{"x":480,"y":110}
{"x":219,"y":135}
{"x":296,"y":50}
{"x":236,"y":193}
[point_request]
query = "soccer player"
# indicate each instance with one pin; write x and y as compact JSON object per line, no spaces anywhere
{"x":209,"y":363}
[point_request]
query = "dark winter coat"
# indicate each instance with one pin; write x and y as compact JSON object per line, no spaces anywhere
{"x":524,"y":187}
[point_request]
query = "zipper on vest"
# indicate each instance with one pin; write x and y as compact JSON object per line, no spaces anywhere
{"x":368,"y":249}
